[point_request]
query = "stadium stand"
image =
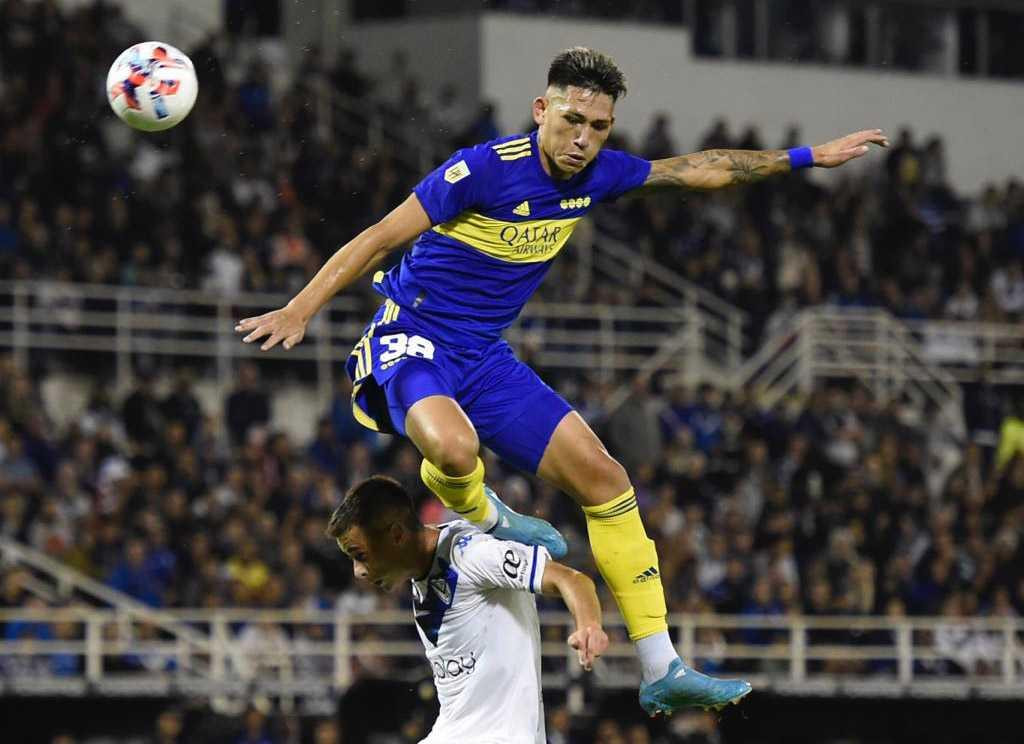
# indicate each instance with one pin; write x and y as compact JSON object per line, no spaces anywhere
{"x":838,"y":504}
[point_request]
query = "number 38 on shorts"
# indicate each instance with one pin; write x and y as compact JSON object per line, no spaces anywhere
{"x":385,"y":350}
{"x":399,"y":345}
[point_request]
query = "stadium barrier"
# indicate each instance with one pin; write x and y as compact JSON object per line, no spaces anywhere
{"x":119,"y":324}
{"x":890,"y":357}
{"x":295,"y":653}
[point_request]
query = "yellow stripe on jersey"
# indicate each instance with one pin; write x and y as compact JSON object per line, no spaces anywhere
{"x":517,"y":155}
{"x":390,"y":312}
{"x":511,"y":143}
{"x":362,"y":370}
{"x":364,"y":356}
{"x":514,"y":149}
{"x":368,"y":349}
{"x":529,"y":241}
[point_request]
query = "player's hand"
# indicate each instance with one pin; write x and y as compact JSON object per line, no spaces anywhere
{"x":285,"y":325}
{"x":847,"y":148}
{"x":590,"y":642}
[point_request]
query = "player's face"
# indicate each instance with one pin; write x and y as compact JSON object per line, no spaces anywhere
{"x":376,"y":558}
{"x":574,"y":124}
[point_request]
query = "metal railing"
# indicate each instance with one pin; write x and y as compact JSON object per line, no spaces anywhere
{"x":693,"y":336}
{"x":866,"y":345}
{"x":723,"y":325}
{"x":972,"y":351}
{"x":290,"y":654}
{"x":119,"y":324}
{"x":53,"y":581}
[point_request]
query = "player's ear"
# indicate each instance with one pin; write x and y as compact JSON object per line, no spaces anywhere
{"x":398,"y":533}
{"x":540,"y":105}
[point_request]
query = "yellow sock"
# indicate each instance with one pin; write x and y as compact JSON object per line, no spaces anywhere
{"x":463,"y":494}
{"x":628,"y":562}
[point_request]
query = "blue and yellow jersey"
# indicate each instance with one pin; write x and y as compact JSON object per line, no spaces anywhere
{"x":499,"y":221}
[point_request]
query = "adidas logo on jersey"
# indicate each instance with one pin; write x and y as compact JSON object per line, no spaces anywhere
{"x":523,"y":210}
{"x":650,"y":573}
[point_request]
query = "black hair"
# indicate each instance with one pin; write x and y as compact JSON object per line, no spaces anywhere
{"x":373,"y":504}
{"x":588,"y":69}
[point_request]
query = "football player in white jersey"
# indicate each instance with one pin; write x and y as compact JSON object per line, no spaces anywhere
{"x":474,"y":610}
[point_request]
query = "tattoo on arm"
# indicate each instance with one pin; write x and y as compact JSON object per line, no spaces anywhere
{"x":715,"y":169}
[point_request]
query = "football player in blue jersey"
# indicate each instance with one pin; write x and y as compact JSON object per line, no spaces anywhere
{"x":433,"y":366}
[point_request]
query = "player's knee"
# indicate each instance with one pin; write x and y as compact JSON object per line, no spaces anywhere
{"x":610,"y":472}
{"x":455,"y":453}
{"x":600,"y":478}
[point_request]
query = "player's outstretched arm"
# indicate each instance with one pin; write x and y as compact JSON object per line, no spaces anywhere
{"x":578,"y":592}
{"x":351,"y":261}
{"x":715,"y":169}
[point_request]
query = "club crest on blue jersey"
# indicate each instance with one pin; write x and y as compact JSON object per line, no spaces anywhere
{"x":430,"y":608}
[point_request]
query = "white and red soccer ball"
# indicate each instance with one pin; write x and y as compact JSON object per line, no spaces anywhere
{"x":152,"y":86}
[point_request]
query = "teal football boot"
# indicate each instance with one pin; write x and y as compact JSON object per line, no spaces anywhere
{"x":683,"y":687}
{"x":529,"y":530}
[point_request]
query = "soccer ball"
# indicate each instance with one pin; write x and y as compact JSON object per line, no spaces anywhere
{"x":152,"y":86}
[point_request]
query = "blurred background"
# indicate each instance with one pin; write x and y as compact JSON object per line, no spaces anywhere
{"x":816,"y":382}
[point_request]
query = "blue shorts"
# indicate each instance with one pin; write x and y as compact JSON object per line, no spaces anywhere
{"x":397,"y":363}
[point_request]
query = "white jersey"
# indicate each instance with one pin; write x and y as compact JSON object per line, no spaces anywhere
{"x":477,"y":617}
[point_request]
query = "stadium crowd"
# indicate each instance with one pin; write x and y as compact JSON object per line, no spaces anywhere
{"x":838,"y":506}
{"x":833,"y":505}
{"x":264,"y":180}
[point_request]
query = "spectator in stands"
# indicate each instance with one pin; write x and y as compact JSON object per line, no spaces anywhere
{"x":903,"y":163}
{"x":1011,"y":433}
{"x":325,"y":451}
{"x":247,"y":405}
{"x":327,"y":731}
{"x":658,"y":141}
{"x":761,"y":603}
{"x":1008,"y":289}
{"x":634,"y":430}
{"x":449,"y":114}
{"x":717,"y":137}
{"x":169,"y":728}
{"x":483,"y":127}
{"x":52,"y":529}
{"x":8,"y":237}
{"x":557,"y":725}
{"x":12,"y":588}
{"x":141,"y":414}
{"x":182,"y":405}
{"x":28,"y":630}
{"x":346,"y":76}
{"x":254,"y":97}
{"x":255,"y":731}
{"x":136,"y":577}
{"x":249,"y":572}
{"x":17,"y":469}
